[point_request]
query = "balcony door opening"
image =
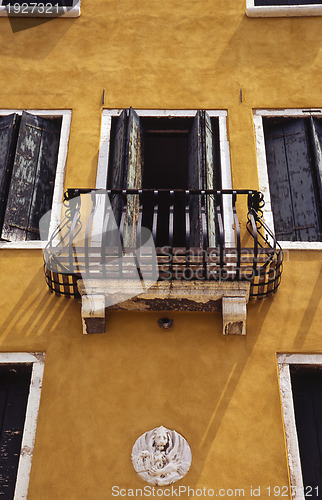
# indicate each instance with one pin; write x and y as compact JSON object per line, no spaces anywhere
{"x":166,"y":143}
{"x":166,"y":153}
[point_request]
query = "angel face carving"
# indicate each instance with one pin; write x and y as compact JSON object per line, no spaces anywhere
{"x":161,"y":456}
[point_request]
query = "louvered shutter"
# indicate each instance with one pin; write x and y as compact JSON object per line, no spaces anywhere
{"x":201,"y":175}
{"x":210,"y":166}
{"x":33,"y":176}
{"x":133,"y":176}
{"x":117,"y":175}
{"x":307,"y":398}
{"x":195,"y":179}
{"x":316,"y":125}
{"x":290,"y":172}
{"x":14,"y":391}
{"x":8,"y":137}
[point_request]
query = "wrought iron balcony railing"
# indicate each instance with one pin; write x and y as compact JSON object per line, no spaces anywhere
{"x":194,"y":238}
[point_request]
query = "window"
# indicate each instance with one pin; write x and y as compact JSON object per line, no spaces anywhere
{"x":287,"y":2}
{"x":30,"y":8}
{"x":307,"y":397}
{"x":276,"y":8}
{"x":33,"y":151}
{"x":144,"y":149}
{"x":20,"y":385}
{"x":301,"y":390}
{"x":290,"y":171}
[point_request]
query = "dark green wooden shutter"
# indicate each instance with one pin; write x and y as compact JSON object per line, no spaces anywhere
{"x":14,"y":391}
{"x":116,"y":178}
{"x":133,"y":176}
{"x":127,"y":171}
{"x":8,"y":138}
{"x":195,"y":179}
{"x":316,"y":127}
{"x":202,"y":175}
{"x":210,"y":167}
{"x":290,"y":171}
{"x":33,"y":177}
{"x":307,"y":397}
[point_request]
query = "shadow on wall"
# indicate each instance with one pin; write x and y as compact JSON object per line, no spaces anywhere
{"x":233,"y":378}
{"x":33,"y":48}
{"x":37,"y":313}
{"x":20,"y":24}
{"x":314,"y":303}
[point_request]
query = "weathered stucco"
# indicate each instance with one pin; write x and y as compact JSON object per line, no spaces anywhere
{"x":101,"y":392}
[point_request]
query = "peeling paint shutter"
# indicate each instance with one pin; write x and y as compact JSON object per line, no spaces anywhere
{"x":210,"y":178}
{"x":14,"y":391}
{"x":195,"y":179}
{"x":316,"y":126}
{"x":33,"y":177}
{"x":290,"y":172}
{"x":8,"y":137}
{"x":307,"y":397}
{"x":117,"y":178}
{"x":133,"y":177}
{"x":202,"y":175}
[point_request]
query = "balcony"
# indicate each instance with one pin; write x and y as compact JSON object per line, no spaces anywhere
{"x":196,"y":250}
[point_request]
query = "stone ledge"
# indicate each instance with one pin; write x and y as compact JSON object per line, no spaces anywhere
{"x":230,"y":297}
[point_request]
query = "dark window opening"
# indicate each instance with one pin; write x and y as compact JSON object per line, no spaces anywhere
{"x":14,"y":391}
{"x":307,"y":397}
{"x":165,"y":167}
{"x":293,"y":153}
{"x":166,"y":153}
{"x":286,"y":2}
{"x":172,"y":153}
{"x":53,"y":3}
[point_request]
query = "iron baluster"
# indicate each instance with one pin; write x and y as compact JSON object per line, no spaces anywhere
{"x":171,"y":210}
{"x":187,"y":229}
{"x":71,"y":235}
{"x":137,"y":250}
{"x":254,"y":229}
{"x":87,"y":233}
{"x":204,"y":234}
{"x":221,"y":230}
{"x":121,"y":233}
{"x":155,"y":214}
{"x":237,"y":230}
{"x":106,"y":223}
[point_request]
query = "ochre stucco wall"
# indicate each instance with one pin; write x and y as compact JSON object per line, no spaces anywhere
{"x":102,"y":392}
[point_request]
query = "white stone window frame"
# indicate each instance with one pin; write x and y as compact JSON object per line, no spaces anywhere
{"x":253,"y":10}
{"x":226,"y":179}
{"x":29,"y":431}
{"x":258,"y":115}
{"x":66,"y":116}
{"x":49,"y":10}
{"x":293,"y":452}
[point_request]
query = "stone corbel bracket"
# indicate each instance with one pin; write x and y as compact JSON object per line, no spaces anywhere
{"x":98,"y":295}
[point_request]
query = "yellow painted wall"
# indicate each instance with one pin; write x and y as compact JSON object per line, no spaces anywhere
{"x":102,"y":392}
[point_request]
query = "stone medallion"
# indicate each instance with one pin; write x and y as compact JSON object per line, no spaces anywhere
{"x":161,"y":456}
